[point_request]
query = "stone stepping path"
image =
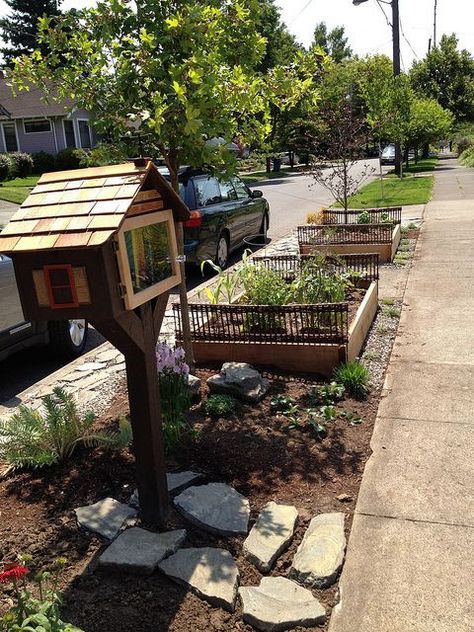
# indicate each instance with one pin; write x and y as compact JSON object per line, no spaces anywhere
{"x":140,"y":551}
{"x":215,"y":507}
{"x":106,"y":517}
{"x":177,"y":481}
{"x":271,"y":535}
{"x":321,"y":553}
{"x":280,"y":604}
{"x":211,"y":573}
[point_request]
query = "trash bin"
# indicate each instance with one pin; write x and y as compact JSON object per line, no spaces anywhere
{"x":276,"y":165}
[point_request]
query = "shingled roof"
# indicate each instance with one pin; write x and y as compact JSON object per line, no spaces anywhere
{"x":30,"y":103}
{"x":85,"y":207}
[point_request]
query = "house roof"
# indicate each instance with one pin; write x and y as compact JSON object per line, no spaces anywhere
{"x":86,"y":207}
{"x":29,"y":104}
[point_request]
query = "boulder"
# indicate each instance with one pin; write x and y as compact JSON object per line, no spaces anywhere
{"x":270,"y":535}
{"x":240,"y":380}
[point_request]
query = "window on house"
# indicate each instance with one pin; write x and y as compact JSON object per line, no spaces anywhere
{"x":37,"y":125}
{"x":85,"y":134}
{"x":9,"y":132}
{"x":69,"y":135}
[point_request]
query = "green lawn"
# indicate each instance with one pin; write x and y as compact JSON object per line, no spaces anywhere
{"x":396,"y":193}
{"x":424,"y":165}
{"x":17,"y":190}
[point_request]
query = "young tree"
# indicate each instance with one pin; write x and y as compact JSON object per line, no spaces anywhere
{"x":338,"y":145}
{"x":333,"y":43}
{"x":429,"y":122}
{"x":447,"y":75}
{"x":184,"y":70}
{"x":19,"y":30}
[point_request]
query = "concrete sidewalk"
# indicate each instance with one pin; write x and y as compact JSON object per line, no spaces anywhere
{"x":410,"y":562}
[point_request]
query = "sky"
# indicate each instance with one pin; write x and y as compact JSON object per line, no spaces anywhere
{"x":366,"y":25}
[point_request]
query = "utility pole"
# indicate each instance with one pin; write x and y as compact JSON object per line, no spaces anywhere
{"x":434,"y":23}
{"x":396,"y":71}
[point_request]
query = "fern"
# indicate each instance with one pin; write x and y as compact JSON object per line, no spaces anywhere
{"x":31,"y":439}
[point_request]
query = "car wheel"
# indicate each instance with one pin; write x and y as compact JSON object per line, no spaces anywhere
{"x":68,"y":338}
{"x":264,"y":229}
{"x":222,"y":251}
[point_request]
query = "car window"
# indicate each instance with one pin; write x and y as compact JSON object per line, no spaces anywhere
{"x":241,"y":189}
{"x":227,"y":190}
{"x":207,"y":191}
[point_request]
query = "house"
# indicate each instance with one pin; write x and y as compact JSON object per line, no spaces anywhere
{"x":31,"y":125}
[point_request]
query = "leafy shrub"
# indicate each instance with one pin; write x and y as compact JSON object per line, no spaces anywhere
{"x":354,"y":376}
{"x":104,"y":154}
{"x":43,"y":162}
{"x":315,"y":217}
{"x":32,"y":439}
{"x":464,"y":143}
{"x":35,"y":612}
{"x":326,"y":394}
{"x":6,"y":167}
{"x":263,"y":286}
{"x":174,"y":393}
{"x":22,"y":164}
{"x":220,"y":405}
{"x":364,"y":218}
{"x":69,"y":158}
{"x":467,"y":157}
{"x":318,"y":283}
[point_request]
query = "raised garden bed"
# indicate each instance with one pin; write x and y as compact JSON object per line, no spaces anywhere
{"x":382,"y":239}
{"x":391,"y":214}
{"x":313,"y":338}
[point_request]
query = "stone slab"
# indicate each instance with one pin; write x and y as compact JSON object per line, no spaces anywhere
{"x":215,"y":507}
{"x":270,"y":535}
{"x":321,"y":553}
{"x":140,"y":551}
{"x":420,"y":470}
{"x":280,"y":604}
{"x":177,"y":481}
{"x":402,"y":576}
{"x":428,"y":399}
{"x":211,"y":573}
{"x":105,"y":517}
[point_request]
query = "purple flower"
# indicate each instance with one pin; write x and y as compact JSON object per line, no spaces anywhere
{"x":171,"y":360}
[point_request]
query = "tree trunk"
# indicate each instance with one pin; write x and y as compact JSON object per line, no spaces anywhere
{"x":173,"y":167}
{"x":407,"y":162}
{"x":268,"y":164}
{"x":416,"y":155}
{"x":291,"y":155}
{"x":426,"y":151}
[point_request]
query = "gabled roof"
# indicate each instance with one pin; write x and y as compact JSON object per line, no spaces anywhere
{"x":29,"y":104}
{"x":85,"y":207}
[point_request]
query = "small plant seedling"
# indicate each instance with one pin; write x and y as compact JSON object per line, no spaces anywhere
{"x":326,"y":394}
{"x":352,"y":418}
{"x":288,"y":407}
{"x":220,"y":405}
{"x":371,"y":356}
{"x":388,"y":301}
{"x":316,"y":423}
{"x":381,"y":330}
{"x":412,"y":226}
{"x":392,"y":312}
{"x":329,"y":413}
{"x":355,"y":378}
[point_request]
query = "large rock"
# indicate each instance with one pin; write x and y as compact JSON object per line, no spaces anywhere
{"x":240,"y":380}
{"x":194,"y":385}
{"x":280,"y":604}
{"x":215,"y":507}
{"x":177,"y":481}
{"x":139,"y":551}
{"x":211,"y":573}
{"x":321,"y":553}
{"x":270,"y":535}
{"x":105,"y":517}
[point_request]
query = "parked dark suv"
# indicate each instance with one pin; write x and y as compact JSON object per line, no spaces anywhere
{"x":66,"y":338}
{"x":223,"y":213}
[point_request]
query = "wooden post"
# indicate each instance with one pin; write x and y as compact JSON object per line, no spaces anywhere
{"x":135,"y":335}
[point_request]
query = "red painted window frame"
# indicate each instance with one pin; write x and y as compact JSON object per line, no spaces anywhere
{"x":72,"y":285}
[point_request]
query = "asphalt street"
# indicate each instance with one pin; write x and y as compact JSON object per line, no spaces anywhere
{"x":290,"y":198}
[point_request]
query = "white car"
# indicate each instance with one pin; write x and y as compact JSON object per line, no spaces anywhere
{"x":387,"y":157}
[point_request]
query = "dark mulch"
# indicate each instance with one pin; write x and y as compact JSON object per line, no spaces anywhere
{"x":253,"y":451}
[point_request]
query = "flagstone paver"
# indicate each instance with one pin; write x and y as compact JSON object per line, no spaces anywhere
{"x":211,"y":573}
{"x":105,"y":517}
{"x":270,"y":535}
{"x":321,"y":553}
{"x":177,"y":481}
{"x":215,"y":507}
{"x":280,"y":604}
{"x":140,"y":551}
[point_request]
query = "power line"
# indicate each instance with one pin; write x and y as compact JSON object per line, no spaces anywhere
{"x":383,"y":11}
{"x":300,"y":12}
{"x":406,"y":40}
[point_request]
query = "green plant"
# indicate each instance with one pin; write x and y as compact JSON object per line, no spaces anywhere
{"x":264,"y":286}
{"x":364,"y":218}
{"x":412,"y":226}
{"x":287,"y":407}
{"x":392,"y":312}
{"x":371,"y":356}
{"x":354,"y":376}
{"x":22,"y":164}
{"x":36,"y":611}
{"x":326,"y":394}
{"x":69,"y":158}
{"x":388,"y":301}
{"x":352,"y":418}
{"x":32,"y":439}
{"x":220,"y":405}
{"x":317,"y":282}
{"x":104,"y":154}
{"x":316,"y":423}
{"x":43,"y":162}
{"x":226,"y":288}
{"x":385,"y":219}
{"x":6,"y":166}
{"x":382,"y":330}
{"x":329,"y":413}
